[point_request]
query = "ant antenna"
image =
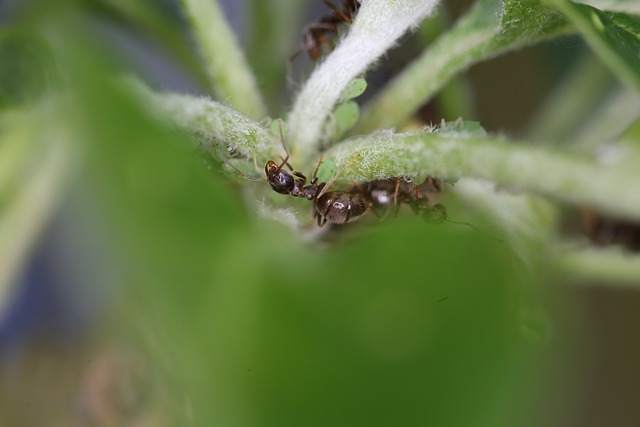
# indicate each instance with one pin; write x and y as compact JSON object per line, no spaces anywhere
{"x":476,"y":229}
{"x":286,"y":159}
{"x":331,"y":181}
{"x":337,"y":11}
{"x":232,"y":166}
{"x":314,"y":177}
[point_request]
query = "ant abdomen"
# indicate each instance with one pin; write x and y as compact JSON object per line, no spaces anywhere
{"x":339,"y":207}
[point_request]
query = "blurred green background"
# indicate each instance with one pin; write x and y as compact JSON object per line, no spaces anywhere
{"x":153,"y":295}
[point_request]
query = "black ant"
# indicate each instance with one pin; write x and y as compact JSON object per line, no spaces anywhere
{"x":383,"y":194}
{"x":333,"y":207}
{"x":317,"y":35}
{"x":341,"y":207}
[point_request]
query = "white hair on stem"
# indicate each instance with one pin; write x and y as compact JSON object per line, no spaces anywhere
{"x":376,"y":28}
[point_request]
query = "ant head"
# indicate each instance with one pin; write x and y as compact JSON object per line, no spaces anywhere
{"x":280,"y":180}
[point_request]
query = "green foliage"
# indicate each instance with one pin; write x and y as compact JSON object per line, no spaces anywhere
{"x":615,"y":37}
{"x":345,"y":115}
{"x":488,"y":29}
{"x":355,"y":89}
{"x":249,"y":323}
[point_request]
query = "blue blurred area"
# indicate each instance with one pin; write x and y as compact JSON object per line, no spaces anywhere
{"x":51,"y":305}
{"x":41,"y":313}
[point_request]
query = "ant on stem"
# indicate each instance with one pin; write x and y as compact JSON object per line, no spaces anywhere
{"x":341,"y":207}
{"x":328,"y":206}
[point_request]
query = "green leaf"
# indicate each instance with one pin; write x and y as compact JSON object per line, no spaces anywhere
{"x":229,"y":75}
{"x":26,"y":67}
{"x":355,"y":89}
{"x":276,"y":124}
{"x":346,"y":115}
{"x":625,"y":6}
{"x":467,"y":127}
{"x":489,"y":29}
{"x":327,"y":170}
{"x":614,"y":37}
{"x":563,"y":176}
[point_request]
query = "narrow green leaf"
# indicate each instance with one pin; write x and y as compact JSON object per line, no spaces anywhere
{"x":489,"y":29}
{"x":610,"y":267}
{"x":625,"y":6}
{"x":614,"y":37}
{"x":562,"y":176}
{"x":230,"y":77}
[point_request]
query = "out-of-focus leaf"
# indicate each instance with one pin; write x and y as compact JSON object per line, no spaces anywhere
{"x":403,"y":326}
{"x":488,"y":29}
{"x":625,"y":6}
{"x":614,"y":37}
{"x":26,"y":67}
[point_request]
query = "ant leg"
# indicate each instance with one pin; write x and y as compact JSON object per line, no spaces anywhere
{"x":337,"y":11}
{"x":248,"y":178}
{"x":293,"y":171}
{"x":476,"y":229}
{"x":294,"y":56}
{"x":332,"y":180}
{"x":283,"y":145}
{"x":314,"y":177}
{"x":396,"y":207}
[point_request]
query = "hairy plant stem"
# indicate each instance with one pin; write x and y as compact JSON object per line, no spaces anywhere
{"x":229,"y":75}
{"x":378,"y":25}
{"x":211,"y":121}
{"x":561,"y":176}
{"x":605,"y":267}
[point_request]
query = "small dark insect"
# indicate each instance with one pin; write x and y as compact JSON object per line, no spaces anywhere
{"x":341,"y":207}
{"x":380,"y":196}
{"x":387,"y":195}
{"x":318,"y":36}
{"x":333,"y":207}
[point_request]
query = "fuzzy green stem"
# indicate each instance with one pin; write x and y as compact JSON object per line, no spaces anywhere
{"x":609,"y":267}
{"x":377,"y":26}
{"x":484,"y":32}
{"x":562,"y":176}
{"x":209,"y":120}
{"x":229,"y":75}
